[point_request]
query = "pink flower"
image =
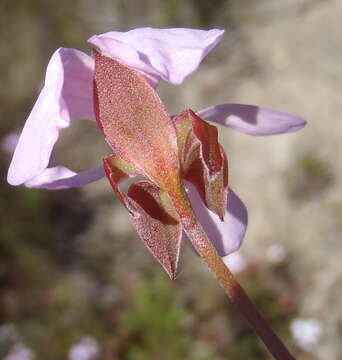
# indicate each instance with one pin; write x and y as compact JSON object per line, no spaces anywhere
{"x":157,"y":54}
{"x":19,"y":352}
{"x":306,"y":332}
{"x":86,"y":349}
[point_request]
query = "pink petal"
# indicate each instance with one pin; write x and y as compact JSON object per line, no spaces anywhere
{"x":227,"y":235}
{"x":252,"y":120}
{"x":168,"y":54}
{"x":67,"y":94}
{"x":59,"y":177}
{"x":236,"y":262}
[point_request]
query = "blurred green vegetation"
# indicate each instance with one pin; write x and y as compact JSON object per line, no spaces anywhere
{"x":155,"y":322}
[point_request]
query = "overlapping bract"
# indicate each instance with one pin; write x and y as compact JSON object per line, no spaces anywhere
{"x":151,"y":211}
{"x":203,"y":160}
{"x":148,"y":143}
{"x":157,"y":54}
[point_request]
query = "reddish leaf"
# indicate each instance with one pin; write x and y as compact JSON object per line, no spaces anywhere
{"x":203,"y":161}
{"x":134,"y":121}
{"x":158,"y":224}
{"x":117,"y":169}
{"x":152,"y":213}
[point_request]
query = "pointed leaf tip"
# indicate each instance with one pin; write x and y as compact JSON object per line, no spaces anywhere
{"x":203,"y":160}
{"x":158,"y":225}
{"x":151,"y":211}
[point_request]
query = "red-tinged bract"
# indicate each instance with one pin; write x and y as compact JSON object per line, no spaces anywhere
{"x":147,"y":142}
{"x":134,"y":121}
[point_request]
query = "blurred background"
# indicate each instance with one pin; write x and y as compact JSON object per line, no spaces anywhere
{"x":75,"y":280}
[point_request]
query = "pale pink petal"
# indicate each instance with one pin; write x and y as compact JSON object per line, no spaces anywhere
{"x":168,"y":54}
{"x":227,"y":235}
{"x":76,"y":98}
{"x":252,"y":120}
{"x":67,"y":94}
{"x":236,"y":262}
{"x":59,"y":177}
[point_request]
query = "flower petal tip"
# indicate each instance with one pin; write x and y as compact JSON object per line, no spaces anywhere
{"x":298,"y":124}
{"x":12,"y":179}
{"x":253,"y":120}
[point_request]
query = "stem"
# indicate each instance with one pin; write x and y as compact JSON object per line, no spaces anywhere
{"x":231,"y":286}
{"x":235,"y":292}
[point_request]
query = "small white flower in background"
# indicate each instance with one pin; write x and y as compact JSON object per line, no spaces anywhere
{"x":86,"y":349}
{"x":306,"y":332}
{"x":9,"y":142}
{"x":19,"y":352}
{"x":236,"y":262}
{"x":276,"y":253}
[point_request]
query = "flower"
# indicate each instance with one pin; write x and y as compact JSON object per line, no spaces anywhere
{"x":19,"y":352}
{"x":306,"y":332}
{"x":276,"y":253}
{"x":116,"y":88}
{"x":86,"y":349}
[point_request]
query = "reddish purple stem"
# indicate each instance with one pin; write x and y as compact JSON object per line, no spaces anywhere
{"x":233,"y":289}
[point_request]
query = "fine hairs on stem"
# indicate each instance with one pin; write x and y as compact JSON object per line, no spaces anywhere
{"x":238,"y":296}
{"x":231,"y":286}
